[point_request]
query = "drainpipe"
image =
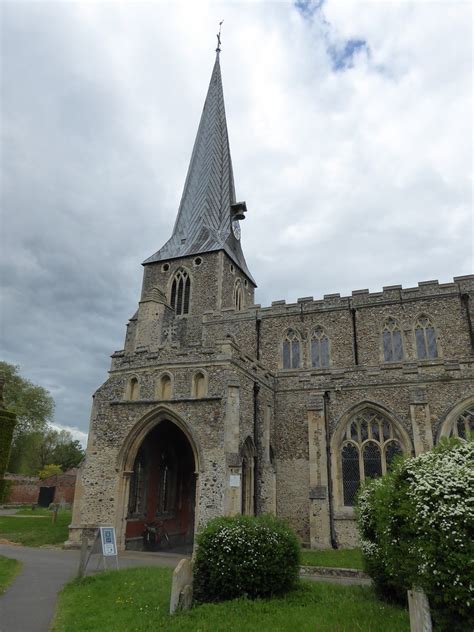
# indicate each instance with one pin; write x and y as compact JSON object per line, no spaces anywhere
{"x":332,"y":530}
{"x":258,"y":323}
{"x":256,"y":442}
{"x":465,"y":298}
{"x":354,"y":334}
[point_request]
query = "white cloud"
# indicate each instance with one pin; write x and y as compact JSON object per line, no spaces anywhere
{"x":364,"y":174}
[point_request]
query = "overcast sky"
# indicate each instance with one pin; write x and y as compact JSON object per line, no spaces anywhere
{"x":351,"y":135}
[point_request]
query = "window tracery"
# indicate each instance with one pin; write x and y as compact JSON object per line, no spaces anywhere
{"x":319,"y":349}
{"x":463,"y":426}
{"x":291,"y":350}
{"x":425,"y":337}
{"x":180,"y":293}
{"x":369,"y":445}
{"x":137,"y":497}
{"x":392,"y":341}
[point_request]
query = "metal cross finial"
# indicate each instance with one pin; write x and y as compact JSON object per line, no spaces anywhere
{"x":218,"y":49}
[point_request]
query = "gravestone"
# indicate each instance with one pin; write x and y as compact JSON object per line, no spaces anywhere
{"x":182,"y":587}
{"x":419,"y":608}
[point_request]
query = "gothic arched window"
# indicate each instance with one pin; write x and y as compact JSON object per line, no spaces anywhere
{"x":180,"y":293}
{"x":425,"y":337}
{"x":392,"y":341}
{"x":319,"y":349}
{"x":238,"y":295}
{"x":369,"y":445}
{"x":248,"y":466}
{"x":291,"y":350}
{"x":463,"y":426}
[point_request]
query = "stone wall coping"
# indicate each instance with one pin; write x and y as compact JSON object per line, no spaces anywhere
{"x":176,"y":400}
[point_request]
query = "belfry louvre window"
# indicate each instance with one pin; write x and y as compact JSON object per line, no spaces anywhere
{"x":392,"y":341}
{"x":319,"y":349}
{"x":369,"y":445}
{"x":180,"y":293}
{"x":425,"y":337}
{"x":463,"y":427}
{"x":238,"y":296}
{"x":291,"y":350}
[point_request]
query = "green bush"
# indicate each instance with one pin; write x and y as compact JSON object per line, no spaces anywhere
{"x":417,"y":528}
{"x":245,"y":556}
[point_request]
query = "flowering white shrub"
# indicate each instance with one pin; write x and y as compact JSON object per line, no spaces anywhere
{"x":245,"y":556}
{"x":417,"y":528}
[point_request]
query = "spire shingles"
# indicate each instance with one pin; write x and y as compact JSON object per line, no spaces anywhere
{"x":203,"y":223}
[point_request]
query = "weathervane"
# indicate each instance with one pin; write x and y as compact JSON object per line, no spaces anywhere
{"x":218,"y":49}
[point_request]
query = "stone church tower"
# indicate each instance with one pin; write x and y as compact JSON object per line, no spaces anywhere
{"x":218,"y":406}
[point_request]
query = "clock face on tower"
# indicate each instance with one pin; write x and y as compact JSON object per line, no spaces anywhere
{"x":236,"y":228}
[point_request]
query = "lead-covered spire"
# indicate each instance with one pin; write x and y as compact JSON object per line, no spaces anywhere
{"x":208,"y":204}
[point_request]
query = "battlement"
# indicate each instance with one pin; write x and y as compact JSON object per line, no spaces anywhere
{"x":365,"y":298}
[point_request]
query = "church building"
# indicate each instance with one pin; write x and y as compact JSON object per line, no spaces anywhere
{"x":218,"y":406}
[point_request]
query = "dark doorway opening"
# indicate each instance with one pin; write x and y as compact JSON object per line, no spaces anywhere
{"x":162,"y":492}
{"x":46,"y":496}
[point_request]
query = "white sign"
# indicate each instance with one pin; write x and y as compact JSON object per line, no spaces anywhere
{"x":234,"y":480}
{"x":109,"y":545}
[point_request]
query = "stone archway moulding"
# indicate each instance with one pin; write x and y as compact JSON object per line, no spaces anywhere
{"x":343,"y":420}
{"x":451,"y":415}
{"x":134,"y":439}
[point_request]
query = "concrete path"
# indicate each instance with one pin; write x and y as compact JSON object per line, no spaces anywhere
{"x":28,"y":604}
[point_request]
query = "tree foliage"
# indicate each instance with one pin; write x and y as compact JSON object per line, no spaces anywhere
{"x":35,"y":442}
{"x":49,"y":470}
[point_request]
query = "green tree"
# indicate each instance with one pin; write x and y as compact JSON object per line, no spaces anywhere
{"x":67,"y":451}
{"x":34,"y":408}
{"x":49,"y":470}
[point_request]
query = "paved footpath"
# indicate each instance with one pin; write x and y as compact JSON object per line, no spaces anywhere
{"x":28,"y":604}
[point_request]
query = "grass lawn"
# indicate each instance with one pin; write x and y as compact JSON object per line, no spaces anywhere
{"x":35,"y":528}
{"x":9,"y":569}
{"x":335,"y":558}
{"x":138,"y":600}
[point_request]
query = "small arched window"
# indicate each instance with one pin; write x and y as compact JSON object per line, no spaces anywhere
{"x":165,"y":387}
{"x":199,"y":385}
{"x":425,"y":337}
{"x":248,"y":473}
{"x":392,"y":341}
{"x":319,"y":349}
{"x":370,"y":443}
{"x":291,"y":350}
{"x":238,"y":295}
{"x":463,"y":426}
{"x":180,"y":293}
{"x":133,"y":389}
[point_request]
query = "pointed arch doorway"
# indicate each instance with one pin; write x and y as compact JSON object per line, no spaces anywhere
{"x":162,"y":491}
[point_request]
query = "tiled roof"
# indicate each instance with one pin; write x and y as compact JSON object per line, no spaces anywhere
{"x":204,"y":217}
